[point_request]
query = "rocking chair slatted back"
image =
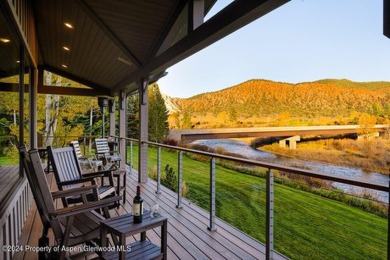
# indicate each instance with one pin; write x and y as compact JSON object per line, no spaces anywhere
{"x":65,"y":164}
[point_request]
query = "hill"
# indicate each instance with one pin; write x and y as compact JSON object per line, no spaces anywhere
{"x":264,"y":102}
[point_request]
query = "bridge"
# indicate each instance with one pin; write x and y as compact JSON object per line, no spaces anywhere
{"x":292,"y":133}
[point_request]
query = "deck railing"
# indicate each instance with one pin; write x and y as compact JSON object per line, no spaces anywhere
{"x":269,"y":183}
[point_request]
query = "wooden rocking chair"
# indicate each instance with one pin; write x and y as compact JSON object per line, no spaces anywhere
{"x":85,"y":161}
{"x":110,"y":159}
{"x":68,"y":174}
{"x":71,"y":226}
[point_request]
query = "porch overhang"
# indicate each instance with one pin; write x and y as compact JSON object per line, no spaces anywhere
{"x":113,"y":44}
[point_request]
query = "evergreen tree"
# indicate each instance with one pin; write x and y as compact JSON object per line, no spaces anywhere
{"x":133,"y":116}
{"x":158,"y":115}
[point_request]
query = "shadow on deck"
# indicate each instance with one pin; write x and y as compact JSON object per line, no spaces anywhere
{"x":188,"y":236}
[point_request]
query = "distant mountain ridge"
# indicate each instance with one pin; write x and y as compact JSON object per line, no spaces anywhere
{"x":264,"y":98}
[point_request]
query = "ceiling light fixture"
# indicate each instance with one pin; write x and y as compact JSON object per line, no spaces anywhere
{"x":4,"y":40}
{"x":69,"y":25}
{"x":63,"y":65}
{"x":18,"y":61}
{"x":66,"y":48}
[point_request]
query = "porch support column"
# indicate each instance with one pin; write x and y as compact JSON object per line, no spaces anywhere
{"x":122,"y":127}
{"x":21,"y":104}
{"x":111,"y":109}
{"x":143,"y":130}
{"x":33,"y":95}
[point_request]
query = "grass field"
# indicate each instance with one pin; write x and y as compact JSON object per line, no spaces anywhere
{"x":307,"y":226}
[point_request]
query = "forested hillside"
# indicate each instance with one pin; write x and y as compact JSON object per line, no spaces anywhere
{"x":262,"y":102}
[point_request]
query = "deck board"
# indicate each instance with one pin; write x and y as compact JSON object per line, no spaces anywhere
{"x":9,"y":176}
{"x":188,"y":236}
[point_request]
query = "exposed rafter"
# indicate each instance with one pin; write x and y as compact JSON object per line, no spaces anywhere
{"x":110,"y":34}
{"x":166,"y":29}
{"x":231,"y":18}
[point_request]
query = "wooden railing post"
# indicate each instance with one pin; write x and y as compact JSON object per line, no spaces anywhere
{"x":85,"y":143}
{"x":158,"y":169}
{"x":269,"y":239}
{"x":179,"y":179}
{"x":212,"y":226}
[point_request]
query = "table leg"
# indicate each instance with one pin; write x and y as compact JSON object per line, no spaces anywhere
{"x":122,"y":244}
{"x":124,"y":189}
{"x":143,"y":236}
{"x":103,"y":238}
{"x":164,"y":239}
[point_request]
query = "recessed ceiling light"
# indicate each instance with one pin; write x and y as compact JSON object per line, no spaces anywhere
{"x":63,"y":65}
{"x":18,"y":61}
{"x":66,"y":48}
{"x":69,"y":25}
{"x":4,"y":40}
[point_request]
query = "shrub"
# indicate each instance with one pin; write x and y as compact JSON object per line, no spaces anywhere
{"x":171,"y":142}
{"x":170,"y":179}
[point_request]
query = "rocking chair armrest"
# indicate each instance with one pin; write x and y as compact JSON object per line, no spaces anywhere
{"x":77,"y":181}
{"x":86,"y":207}
{"x":106,"y":173}
{"x":97,"y":174}
{"x":72,"y":192}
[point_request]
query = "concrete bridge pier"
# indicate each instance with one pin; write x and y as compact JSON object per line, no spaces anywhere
{"x":291,"y":142}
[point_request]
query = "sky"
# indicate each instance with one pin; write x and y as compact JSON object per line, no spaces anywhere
{"x":301,"y":41}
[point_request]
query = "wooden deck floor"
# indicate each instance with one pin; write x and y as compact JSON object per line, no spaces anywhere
{"x":188,"y":236}
{"x":9,"y":176}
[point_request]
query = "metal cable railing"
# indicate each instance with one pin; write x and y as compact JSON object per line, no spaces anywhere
{"x":269,"y":189}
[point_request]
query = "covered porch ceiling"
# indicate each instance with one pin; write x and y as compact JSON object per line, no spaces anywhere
{"x":110,"y":45}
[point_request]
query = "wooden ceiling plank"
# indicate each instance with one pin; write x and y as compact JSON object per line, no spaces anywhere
{"x":236,"y":15}
{"x":110,"y":33}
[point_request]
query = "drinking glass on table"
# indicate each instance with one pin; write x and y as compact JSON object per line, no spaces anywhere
{"x":154,"y":210}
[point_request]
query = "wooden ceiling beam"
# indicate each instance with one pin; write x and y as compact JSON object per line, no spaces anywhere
{"x":386,"y":18}
{"x":12,"y":87}
{"x":233,"y":17}
{"x":70,"y":76}
{"x":115,"y":39}
{"x":54,"y":90}
{"x":67,"y":91}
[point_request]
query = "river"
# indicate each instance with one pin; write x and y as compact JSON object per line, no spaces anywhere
{"x":244,"y":149}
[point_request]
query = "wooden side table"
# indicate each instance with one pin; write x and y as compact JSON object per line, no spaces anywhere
{"x":123,"y":226}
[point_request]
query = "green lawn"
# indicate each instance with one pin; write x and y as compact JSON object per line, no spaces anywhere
{"x":4,"y":160}
{"x":307,"y":226}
